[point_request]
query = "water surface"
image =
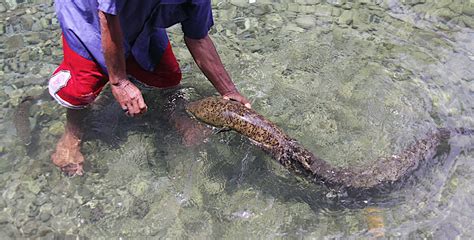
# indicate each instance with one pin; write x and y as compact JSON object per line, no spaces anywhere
{"x":352,"y":81}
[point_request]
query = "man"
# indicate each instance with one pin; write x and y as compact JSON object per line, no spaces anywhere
{"x":104,"y":40}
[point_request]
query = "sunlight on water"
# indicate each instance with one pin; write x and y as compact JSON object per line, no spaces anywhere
{"x":353,"y":81}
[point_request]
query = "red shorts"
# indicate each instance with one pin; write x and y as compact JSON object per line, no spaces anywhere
{"x":78,"y":80}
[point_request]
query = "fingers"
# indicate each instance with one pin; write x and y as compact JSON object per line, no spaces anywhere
{"x":131,"y":99}
{"x":141,"y":104}
{"x":239,"y":98}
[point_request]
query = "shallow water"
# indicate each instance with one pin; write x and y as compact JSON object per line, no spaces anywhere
{"x":352,"y":81}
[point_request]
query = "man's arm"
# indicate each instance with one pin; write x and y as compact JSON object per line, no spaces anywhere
{"x":127,"y":94}
{"x":205,"y":55}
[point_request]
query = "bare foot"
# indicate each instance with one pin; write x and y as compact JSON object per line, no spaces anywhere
{"x":68,"y":156}
{"x":193,"y":132}
{"x":195,"y":135}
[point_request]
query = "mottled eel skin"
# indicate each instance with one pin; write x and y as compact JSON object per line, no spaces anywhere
{"x":287,"y":151}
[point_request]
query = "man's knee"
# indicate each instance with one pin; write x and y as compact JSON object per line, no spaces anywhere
{"x":68,"y":92}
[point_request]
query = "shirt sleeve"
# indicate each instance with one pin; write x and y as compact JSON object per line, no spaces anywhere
{"x":110,"y":6}
{"x":199,"y":19}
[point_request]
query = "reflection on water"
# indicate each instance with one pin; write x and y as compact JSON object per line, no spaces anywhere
{"x":352,"y":80}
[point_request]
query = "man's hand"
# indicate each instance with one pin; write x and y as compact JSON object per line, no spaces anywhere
{"x":236,"y":96}
{"x":129,"y":97}
{"x":205,"y":55}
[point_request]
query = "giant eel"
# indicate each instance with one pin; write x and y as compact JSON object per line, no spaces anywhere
{"x":292,"y":155}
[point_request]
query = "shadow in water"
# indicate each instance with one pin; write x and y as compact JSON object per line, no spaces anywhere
{"x":264,"y":174}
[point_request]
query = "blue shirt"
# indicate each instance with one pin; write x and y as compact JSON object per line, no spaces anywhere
{"x":143,"y":25}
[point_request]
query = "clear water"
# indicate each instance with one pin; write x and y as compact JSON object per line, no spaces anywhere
{"x":352,"y":81}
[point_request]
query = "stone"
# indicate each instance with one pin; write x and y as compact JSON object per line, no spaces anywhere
{"x":468,"y":9}
{"x":306,"y":21}
{"x":468,"y":21}
{"x":415,"y":2}
{"x":11,"y":4}
{"x":41,"y":199}
{"x":24,"y":57}
{"x":336,"y":12}
{"x":444,"y":13}
{"x":45,"y":217}
{"x":3,"y":204}
{"x":14,"y":42}
{"x":33,"y":38}
{"x":36,"y":27}
{"x":56,"y":128}
{"x":443,"y":3}
{"x":336,"y":3}
{"x":240,"y":3}
{"x":30,"y":228}
{"x":45,"y":23}
{"x":2,"y":8}
{"x":345,"y":18}
{"x":26,"y":22}
{"x":323,"y":11}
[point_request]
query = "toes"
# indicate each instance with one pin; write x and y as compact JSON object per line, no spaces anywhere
{"x":72,"y":169}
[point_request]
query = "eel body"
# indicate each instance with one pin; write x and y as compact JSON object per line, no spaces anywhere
{"x":287,"y":151}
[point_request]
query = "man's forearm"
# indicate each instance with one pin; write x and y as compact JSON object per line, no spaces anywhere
{"x":206,"y":57}
{"x":112,"y":47}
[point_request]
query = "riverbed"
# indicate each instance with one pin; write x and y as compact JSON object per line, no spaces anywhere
{"x":353,"y":81}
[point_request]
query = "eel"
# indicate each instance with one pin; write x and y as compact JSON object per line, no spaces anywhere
{"x":227,"y":114}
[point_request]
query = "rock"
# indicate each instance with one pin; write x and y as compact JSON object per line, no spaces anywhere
{"x":309,"y":2}
{"x":24,"y":57}
{"x":323,"y":11}
{"x":56,"y":128}
{"x":240,"y":3}
{"x":41,"y":199}
{"x":468,"y":21}
{"x":443,"y":3}
{"x":336,"y":12}
{"x":415,"y":2}
{"x":345,"y":18}
{"x":291,"y":28}
{"x":306,"y":21}
{"x":336,"y":3}
{"x":4,"y":218}
{"x":3,"y":204}
{"x":26,"y":22}
{"x":45,"y":217}
{"x":30,"y":228}
{"x":444,"y":13}
{"x":11,"y":4}
{"x":2,"y":8}
{"x":45,"y":23}
{"x":33,"y":38}
{"x":36,"y":27}
{"x":14,"y":42}
{"x":468,"y":9}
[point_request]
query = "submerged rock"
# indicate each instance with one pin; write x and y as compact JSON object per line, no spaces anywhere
{"x":306,"y":22}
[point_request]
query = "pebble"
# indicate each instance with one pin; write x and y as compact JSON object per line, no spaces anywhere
{"x":41,"y":199}
{"x":3,"y":203}
{"x":30,"y":228}
{"x":4,"y":218}
{"x":45,"y":217}
{"x":14,"y":42}
{"x":306,"y":22}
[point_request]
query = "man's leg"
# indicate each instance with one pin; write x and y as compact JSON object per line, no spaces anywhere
{"x":67,"y":155}
{"x":192,"y":132}
{"x":75,"y":84}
